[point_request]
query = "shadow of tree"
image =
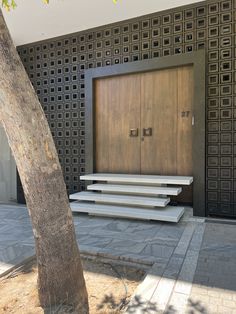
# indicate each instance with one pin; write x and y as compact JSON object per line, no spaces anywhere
{"x":109,"y":301}
{"x":136,"y":304}
{"x":61,"y":309}
{"x":142,"y":305}
{"x":25,"y":267}
{"x":114,"y":305}
{"x":195,"y":307}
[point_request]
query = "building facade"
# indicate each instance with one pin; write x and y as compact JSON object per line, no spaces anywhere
{"x":57,"y":69}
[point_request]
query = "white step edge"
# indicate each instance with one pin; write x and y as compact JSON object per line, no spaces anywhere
{"x":135,"y":189}
{"x":120,"y":199}
{"x":170,"y":214}
{"x":135,"y":178}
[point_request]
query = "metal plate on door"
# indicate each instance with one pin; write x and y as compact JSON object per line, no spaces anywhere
{"x":147,"y":132}
{"x":133,"y":132}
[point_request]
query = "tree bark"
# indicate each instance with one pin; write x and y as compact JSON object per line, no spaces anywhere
{"x":60,"y":274}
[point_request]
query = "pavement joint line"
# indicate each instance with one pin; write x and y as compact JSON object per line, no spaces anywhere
{"x":183,"y":244}
{"x":191,"y":260}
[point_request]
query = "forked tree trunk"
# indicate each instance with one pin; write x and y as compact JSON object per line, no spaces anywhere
{"x":60,"y":277}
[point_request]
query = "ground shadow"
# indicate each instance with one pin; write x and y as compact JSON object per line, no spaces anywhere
{"x":136,"y":304}
{"x":196,"y":307}
{"x":25,"y":267}
{"x":109,"y":303}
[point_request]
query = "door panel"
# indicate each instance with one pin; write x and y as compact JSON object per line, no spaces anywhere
{"x":160,"y":102}
{"x":159,"y":105}
{"x":117,"y":111}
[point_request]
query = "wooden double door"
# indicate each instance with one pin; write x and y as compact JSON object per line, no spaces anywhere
{"x":143,"y":122}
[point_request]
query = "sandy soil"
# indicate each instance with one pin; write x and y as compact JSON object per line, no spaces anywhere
{"x":109,"y":287}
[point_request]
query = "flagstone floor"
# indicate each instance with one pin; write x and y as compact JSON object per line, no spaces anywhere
{"x":191,"y":264}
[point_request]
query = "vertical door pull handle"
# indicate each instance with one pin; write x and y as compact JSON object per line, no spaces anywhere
{"x":147,"y":132}
{"x":133,"y":132}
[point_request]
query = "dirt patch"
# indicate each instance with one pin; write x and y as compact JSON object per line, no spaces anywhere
{"x":109,"y":286}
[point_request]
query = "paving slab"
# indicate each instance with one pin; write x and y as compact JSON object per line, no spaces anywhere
{"x":191,"y":264}
{"x":214,"y":283}
{"x":129,"y":240}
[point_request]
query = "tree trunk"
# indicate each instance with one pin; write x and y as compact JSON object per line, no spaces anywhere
{"x":60,"y":274}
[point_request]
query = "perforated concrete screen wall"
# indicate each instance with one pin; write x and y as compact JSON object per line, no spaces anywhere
{"x":56,"y":68}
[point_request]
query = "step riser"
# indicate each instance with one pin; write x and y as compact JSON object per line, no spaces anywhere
{"x":120,"y":199}
{"x":125,"y":212}
{"x":138,"y":184}
{"x":149,"y":206}
{"x":131,"y":189}
{"x":145,"y":179}
{"x":133,"y":194}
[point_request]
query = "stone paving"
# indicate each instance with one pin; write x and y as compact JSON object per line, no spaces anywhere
{"x":199,"y":277}
{"x":214,"y":284}
{"x":191,"y":264}
{"x":143,"y":242}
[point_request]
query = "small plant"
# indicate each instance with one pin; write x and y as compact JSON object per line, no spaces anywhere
{"x":11,"y":4}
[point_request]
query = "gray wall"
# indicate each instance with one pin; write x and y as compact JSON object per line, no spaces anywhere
{"x":7,"y":170}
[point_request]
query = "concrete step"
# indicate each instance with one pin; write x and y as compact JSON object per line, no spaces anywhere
{"x":170,"y":213}
{"x":135,"y":189}
{"x":120,"y":199}
{"x":140,"y":179}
